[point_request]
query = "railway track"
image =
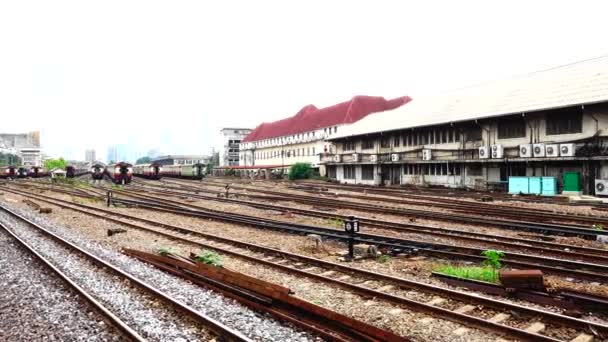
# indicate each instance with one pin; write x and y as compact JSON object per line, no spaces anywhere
{"x":68,"y":258}
{"x":482,"y":220}
{"x":597,"y":271}
{"x":501,"y":317}
{"x":586,"y":254}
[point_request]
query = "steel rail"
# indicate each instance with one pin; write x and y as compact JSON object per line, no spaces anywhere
{"x":598,"y":255}
{"x":212,"y":324}
{"x":428,"y":248}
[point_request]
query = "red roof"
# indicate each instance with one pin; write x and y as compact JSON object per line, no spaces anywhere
{"x":310,"y":117}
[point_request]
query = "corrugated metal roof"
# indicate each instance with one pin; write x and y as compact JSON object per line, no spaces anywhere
{"x":573,"y":84}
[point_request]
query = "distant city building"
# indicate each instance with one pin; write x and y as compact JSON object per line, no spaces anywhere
{"x":301,"y":137}
{"x":231,"y":139}
{"x":24,"y":145}
{"x":90,"y":157}
{"x":154,"y":153}
{"x":112,"y":154}
{"x":181,"y":160}
{"x":31,"y":156}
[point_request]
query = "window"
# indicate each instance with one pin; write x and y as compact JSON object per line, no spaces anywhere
{"x":565,"y":121}
{"x":473,"y":134}
{"x":313,"y":151}
{"x":349,"y":145}
{"x":349,"y":172}
{"x":367,"y":172}
{"x":509,"y":128}
{"x":423,"y":137}
{"x":431,"y":137}
{"x":385,"y":142}
{"x":396,"y":141}
{"x":456,"y":135}
{"x":367,"y":144}
{"x":335,"y":129}
{"x":444,"y":169}
{"x":474,"y":170}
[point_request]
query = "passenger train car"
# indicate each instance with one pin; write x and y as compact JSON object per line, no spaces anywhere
{"x":38,"y":172}
{"x":72,"y":171}
{"x":150,"y":171}
{"x":196,"y":171}
{"x":8,"y":172}
{"x":120,"y":173}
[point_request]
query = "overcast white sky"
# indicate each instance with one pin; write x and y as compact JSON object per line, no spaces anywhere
{"x":170,"y":74}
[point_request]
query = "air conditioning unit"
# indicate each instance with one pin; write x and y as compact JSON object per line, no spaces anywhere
{"x":337,"y":158}
{"x":355,"y":157}
{"x":427,"y":155}
{"x":525,"y":151}
{"x":552,"y":150}
{"x":538,"y":150}
{"x":566,"y":150}
{"x":483,"y":152}
{"x":601,"y":187}
{"x":373,"y":158}
{"x":394,"y":157}
{"x":497,"y":151}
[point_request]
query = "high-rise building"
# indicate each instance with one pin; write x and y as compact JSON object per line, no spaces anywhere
{"x":231,"y":138}
{"x":112,"y":154}
{"x":90,"y":156}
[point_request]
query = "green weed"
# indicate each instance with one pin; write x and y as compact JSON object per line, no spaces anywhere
{"x":384,"y":258}
{"x":598,"y":226}
{"x":164,"y":251}
{"x":209,"y":258}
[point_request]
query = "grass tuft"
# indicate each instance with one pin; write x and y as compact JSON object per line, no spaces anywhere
{"x":483,"y":273}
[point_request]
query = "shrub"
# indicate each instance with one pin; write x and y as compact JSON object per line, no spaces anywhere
{"x":209,"y":258}
{"x":493,"y":258}
{"x":300,"y":171}
{"x":598,"y":226}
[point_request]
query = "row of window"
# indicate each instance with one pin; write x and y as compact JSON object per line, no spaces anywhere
{"x":438,"y":169}
{"x":298,"y":152}
{"x":421,"y":137}
{"x":281,"y":140}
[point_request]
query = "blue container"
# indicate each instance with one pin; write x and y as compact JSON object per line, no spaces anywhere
{"x":536,"y":185}
{"x":519,"y":185}
{"x":549,"y":186}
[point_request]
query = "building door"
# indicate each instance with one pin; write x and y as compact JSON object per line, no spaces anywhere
{"x":385,"y":174}
{"x":396,"y":174}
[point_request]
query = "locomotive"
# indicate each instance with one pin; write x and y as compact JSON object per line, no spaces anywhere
{"x":22,"y":172}
{"x":120,"y":173}
{"x":150,"y":171}
{"x":97,"y":171}
{"x":196,"y":171}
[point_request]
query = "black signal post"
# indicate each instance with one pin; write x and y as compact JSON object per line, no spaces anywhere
{"x":351,"y":226}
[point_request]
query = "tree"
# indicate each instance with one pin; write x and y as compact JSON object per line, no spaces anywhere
{"x":60,"y":163}
{"x":143,"y":160}
{"x":300,"y":171}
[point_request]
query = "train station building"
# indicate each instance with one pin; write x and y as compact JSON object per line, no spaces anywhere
{"x":302,"y":137}
{"x":547,"y":123}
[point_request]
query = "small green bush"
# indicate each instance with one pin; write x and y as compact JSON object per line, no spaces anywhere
{"x":336,"y":222}
{"x":300,"y":171}
{"x":598,"y":226}
{"x":209,"y":258}
{"x":493,"y":258}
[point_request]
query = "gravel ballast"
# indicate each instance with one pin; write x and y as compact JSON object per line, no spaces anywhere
{"x":33,"y":294}
{"x":148,"y":316}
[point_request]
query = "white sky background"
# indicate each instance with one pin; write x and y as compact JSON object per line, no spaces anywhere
{"x":170,"y":74}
